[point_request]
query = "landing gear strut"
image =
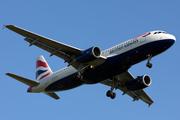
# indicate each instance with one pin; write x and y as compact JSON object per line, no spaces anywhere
{"x":149,"y":65}
{"x":110,"y":93}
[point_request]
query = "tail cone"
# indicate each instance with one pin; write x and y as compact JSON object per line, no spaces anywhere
{"x":29,"y":89}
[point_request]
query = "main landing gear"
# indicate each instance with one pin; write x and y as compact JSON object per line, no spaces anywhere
{"x":149,"y":65}
{"x":78,"y":76}
{"x":110,"y":92}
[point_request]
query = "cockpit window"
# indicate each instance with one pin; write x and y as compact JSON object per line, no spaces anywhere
{"x":160,"y":32}
{"x":164,"y":32}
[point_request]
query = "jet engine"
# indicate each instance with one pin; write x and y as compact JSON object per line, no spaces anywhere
{"x":88,"y":55}
{"x":139,"y":83}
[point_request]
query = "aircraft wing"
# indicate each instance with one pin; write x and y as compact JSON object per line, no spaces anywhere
{"x":55,"y":48}
{"x":136,"y":95}
{"x":66,"y":52}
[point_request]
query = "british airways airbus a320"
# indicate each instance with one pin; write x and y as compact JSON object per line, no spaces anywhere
{"x":91,"y":66}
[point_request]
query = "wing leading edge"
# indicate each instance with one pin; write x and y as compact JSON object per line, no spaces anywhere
{"x":136,"y":95}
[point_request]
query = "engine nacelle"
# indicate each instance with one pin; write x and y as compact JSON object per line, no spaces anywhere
{"x":139,"y":83}
{"x":88,"y":55}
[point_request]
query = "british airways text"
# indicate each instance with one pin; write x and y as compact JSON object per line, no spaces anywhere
{"x":124,"y":45}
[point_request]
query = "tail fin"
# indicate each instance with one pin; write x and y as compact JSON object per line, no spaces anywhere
{"x":42,"y":68}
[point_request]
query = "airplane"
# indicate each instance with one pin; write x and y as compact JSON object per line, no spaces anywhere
{"x":91,"y":66}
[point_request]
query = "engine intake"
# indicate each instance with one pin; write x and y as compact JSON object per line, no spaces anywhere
{"x":88,"y":55}
{"x":139,"y":83}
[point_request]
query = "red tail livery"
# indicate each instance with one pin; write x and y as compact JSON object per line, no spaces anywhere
{"x":42,"y":68}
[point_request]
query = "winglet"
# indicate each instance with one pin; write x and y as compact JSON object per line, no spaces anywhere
{"x":150,"y":104}
{"x":4,"y":26}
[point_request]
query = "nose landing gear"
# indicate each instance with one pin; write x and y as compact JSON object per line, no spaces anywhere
{"x":149,"y":65}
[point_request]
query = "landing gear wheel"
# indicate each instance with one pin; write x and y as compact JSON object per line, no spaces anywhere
{"x":149,"y":65}
{"x":111,"y":94}
{"x":78,"y":76}
{"x":108,"y":94}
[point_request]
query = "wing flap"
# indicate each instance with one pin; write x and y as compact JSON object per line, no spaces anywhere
{"x":144,"y":97}
{"x":53,"y":95}
{"x":23,"y":80}
{"x":48,"y":49}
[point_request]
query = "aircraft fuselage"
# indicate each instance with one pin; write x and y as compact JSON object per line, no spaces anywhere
{"x":119,"y":59}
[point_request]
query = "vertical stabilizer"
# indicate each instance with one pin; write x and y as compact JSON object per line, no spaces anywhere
{"x":42,"y":68}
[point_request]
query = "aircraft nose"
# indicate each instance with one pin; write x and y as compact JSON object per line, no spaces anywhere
{"x":173,"y":37}
{"x":169,"y":40}
{"x":29,"y":89}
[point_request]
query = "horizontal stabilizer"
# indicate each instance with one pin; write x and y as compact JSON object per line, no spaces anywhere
{"x":23,"y":80}
{"x":53,"y":95}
